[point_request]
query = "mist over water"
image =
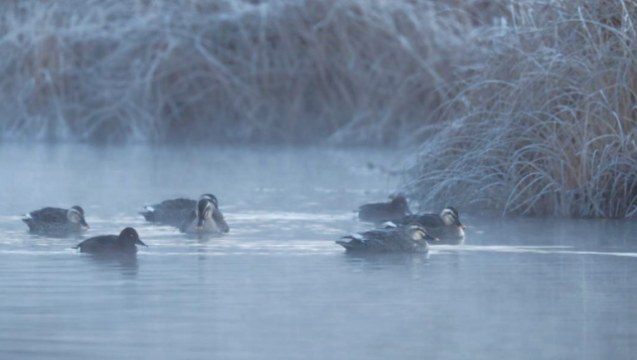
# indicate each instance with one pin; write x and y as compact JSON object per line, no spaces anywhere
{"x":149,"y":84}
{"x":276,"y":286}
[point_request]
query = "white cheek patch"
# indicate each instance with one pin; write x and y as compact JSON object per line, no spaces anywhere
{"x":447,"y":217}
{"x":150,"y":208}
{"x":28,"y":216}
{"x":207,"y":212}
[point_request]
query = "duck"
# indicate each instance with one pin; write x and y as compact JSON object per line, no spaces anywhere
{"x":446,"y":226}
{"x":173,"y":212}
{"x":50,"y":220}
{"x":205,"y":218}
{"x":125,"y":242}
{"x":379,"y":212}
{"x":407,"y":239}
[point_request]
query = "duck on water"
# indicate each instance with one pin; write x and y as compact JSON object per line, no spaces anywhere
{"x":205,"y":218}
{"x":379,"y":212}
{"x":174,"y":212}
{"x":56,"y":221}
{"x":446,"y":226}
{"x":125,"y":242}
{"x":407,"y":239}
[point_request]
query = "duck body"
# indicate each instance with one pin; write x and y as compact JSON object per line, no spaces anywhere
{"x":408,"y":239}
{"x":56,"y":221}
{"x":206,"y":218}
{"x":446,"y":226}
{"x":125,"y":242}
{"x":378,"y":212}
{"x":173,"y":212}
{"x":169,"y":212}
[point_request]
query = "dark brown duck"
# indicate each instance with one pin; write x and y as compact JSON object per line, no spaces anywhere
{"x":125,"y":242}
{"x":379,"y":212}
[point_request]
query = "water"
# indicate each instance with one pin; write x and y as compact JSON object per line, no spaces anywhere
{"x":277,"y":287}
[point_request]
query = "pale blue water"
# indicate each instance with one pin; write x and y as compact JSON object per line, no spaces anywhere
{"x":277,"y":287}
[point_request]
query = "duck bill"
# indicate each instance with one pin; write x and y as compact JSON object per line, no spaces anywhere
{"x":431,"y":238}
{"x":83,"y":223}
{"x":462,"y":227}
{"x":140,"y":242}
{"x":200,"y":224}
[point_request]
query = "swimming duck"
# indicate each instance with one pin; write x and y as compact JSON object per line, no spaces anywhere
{"x":173,"y":212}
{"x":205,"y":218}
{"x":377,"y":212}
{"x":446,"y":225}
{"x":124,"y":243}
{"x":56,"y":221}
{"x":411,"y":238}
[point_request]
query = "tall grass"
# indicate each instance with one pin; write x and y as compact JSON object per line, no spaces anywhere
{"x":345,"y":71}
{"x":546,"y":124}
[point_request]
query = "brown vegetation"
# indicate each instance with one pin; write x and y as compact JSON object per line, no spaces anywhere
{"x":546,"y":124}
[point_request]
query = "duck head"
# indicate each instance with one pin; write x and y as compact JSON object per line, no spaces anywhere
{"x":205,"y":208}
{"x":76,"y":216}
{"x":450,"y":217}
{"x":210,"y":197}
{"x":418,"y":233}
{"x":129,"y":238}
{"x":400,"y":203}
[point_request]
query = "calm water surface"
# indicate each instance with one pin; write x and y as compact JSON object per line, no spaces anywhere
{"x":277,"y":287}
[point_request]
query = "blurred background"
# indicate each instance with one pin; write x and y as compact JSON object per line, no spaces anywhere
{"x":518,"y":106}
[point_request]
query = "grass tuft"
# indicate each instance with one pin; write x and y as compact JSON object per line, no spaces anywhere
{"x":546,"y":124}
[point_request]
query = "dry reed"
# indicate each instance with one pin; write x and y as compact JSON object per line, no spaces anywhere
{"x":295,"y":71}
{"x":546,"y":124}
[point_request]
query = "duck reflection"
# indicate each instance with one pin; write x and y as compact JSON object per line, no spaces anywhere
{"x":202,"y":237}
{"x":376,"y":261}
{"x":125,"y":262}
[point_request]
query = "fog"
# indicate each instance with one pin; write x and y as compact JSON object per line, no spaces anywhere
{"x":519,"y":115}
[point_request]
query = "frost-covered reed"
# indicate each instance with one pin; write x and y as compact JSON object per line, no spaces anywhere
{"x":344,"y":71}
{"x":546,"y":124}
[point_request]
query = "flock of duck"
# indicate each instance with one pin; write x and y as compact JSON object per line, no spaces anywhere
{"x":398,"y":229}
